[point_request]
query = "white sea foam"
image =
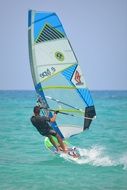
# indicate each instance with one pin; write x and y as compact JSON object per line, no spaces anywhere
{"x":97,"y":156}
{"x":123,"y":161}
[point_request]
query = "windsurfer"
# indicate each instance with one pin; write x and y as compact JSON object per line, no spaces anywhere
{"x":42,"y":125}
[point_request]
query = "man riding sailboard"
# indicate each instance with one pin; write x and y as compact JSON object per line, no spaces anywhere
{"x":42,"y":125}
{"x":58,"y":80}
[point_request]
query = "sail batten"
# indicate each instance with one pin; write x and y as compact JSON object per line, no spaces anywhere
{"x":57,"y":75}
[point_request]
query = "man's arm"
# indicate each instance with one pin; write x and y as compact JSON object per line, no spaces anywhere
{"x":53,"y":119}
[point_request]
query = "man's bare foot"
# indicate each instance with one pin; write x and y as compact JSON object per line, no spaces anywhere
{"x":58,"y":149}
{"x":61,"y":149}
{"x":65,"y":151}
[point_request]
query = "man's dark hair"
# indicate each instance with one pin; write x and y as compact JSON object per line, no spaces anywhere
{"x":36,"y":110}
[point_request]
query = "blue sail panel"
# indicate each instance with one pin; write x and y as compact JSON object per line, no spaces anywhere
{"x":41,"y":19}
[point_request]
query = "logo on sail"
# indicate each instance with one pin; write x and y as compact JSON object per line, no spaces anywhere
{"x":59,"y":56}
{"x":47,"y":72}
{"x":77,"y":78}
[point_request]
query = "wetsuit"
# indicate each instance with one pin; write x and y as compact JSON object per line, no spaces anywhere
{"x":42,"y":125}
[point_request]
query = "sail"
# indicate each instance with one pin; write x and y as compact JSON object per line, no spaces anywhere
{"x":57,"y":75}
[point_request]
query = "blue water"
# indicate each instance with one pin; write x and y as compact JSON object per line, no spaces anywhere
{"x":25,"y":163}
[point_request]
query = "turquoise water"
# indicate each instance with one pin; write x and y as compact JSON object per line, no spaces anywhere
{"x":25,"y":163}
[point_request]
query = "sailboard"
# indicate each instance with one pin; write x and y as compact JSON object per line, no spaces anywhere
{"x":57,"y":75}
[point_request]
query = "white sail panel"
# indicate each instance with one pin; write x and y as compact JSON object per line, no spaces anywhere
{"x":52,"y":52}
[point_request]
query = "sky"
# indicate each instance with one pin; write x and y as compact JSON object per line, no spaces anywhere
{"x":97,"y":30}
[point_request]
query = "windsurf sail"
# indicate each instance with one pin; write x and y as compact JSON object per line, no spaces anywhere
{"x":57,"y":75}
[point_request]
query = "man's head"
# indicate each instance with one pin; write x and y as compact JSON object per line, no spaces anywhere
{"x":36,"y":110}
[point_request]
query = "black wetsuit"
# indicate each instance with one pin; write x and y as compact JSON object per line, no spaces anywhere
{"x":42,"y":125}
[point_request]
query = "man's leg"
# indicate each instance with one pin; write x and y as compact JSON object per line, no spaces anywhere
{"x":61,"y":143}
{"x":53,"y":142}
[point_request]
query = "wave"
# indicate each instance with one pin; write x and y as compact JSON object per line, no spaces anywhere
{"x":97,"y":156}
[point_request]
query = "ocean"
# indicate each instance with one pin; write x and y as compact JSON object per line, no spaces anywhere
{"x":25,"y":164}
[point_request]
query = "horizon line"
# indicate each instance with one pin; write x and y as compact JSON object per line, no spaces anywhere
{"x":88,"y":88}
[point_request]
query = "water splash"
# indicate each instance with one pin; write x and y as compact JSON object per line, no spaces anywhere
{"x":123,"y":161}
{"x":97,"y":156}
